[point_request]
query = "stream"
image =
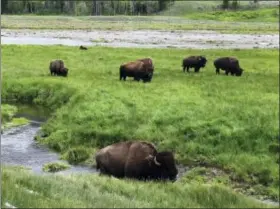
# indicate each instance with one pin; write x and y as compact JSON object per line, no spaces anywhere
{"x":18,"y":146}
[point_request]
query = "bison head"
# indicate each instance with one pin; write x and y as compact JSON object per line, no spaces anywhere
{"x":202,"y":60}
{"x":239,"y":72}
{"x":163,"y":166}
{"x":148,"y":77}
{"x":64,"y":72}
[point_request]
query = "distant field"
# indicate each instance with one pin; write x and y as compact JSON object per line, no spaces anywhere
{"x":135,"y":23}
{"x":260,"y":15}
{"x":263,"y":11}
{"x":221,"y":121}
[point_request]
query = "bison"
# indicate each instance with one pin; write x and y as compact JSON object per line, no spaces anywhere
{"x":136,"y":159}
{"x":229,"y":65}
{"x":148,"y":64}
{"x":136,"y":69}
{"x":57,"y":68}
{"x":195,"y":62}
{"x":83,"y":48}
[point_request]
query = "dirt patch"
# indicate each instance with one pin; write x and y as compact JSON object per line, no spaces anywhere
{"x":140,"y":39}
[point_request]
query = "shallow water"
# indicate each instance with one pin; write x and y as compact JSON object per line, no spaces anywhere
{"x":18,"y":146}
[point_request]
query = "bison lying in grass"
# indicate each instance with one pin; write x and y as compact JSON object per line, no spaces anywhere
{"x":57,"y":68}
{"x":136,"y":159}
{"x":229,"y":65}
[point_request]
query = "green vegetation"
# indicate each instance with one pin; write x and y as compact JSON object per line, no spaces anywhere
{"x":260,"y":15}
{"x":22,"y":189}
{"x":55,"y":166}
{"x":7,"y":120}
{"x":134,"y":23}
{"x":220,"y":121}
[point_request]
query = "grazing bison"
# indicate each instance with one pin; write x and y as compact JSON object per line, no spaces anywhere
{"x":195,"y":62}
{"x":136,"y":69}
{"x":83,"y":48}
{"x":229,"y":65}
{"x":57,"y":68}
{"x":136,"y":159}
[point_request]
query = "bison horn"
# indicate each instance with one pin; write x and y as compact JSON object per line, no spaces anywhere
{"x":156,"y":162}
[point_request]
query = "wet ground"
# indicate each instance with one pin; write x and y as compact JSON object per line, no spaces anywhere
{"x":142,"y":39}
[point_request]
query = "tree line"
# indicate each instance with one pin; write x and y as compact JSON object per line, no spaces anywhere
{"x":94,"y":7}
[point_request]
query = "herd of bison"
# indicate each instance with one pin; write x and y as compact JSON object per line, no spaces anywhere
{"x":139,"y":159}
{"x":143,"y":69}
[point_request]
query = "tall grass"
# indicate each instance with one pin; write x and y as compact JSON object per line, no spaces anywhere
{"x":23,"y":190}
{"x":223,"y":121}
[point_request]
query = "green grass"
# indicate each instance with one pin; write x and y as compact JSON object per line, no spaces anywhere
{"x":55,"y":166}
{"x":260,"y":15}
{"x":7,"y":120}
{"x":209,"y":10}
{"x":133,"y":23}
{"x":22,"y":189}
{"x":220,"y":121}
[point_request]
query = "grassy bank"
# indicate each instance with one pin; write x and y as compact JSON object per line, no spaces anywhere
{"x":134,"y":23}
{"x":219,"y":121}
{"x":24,"y":190}
{"x":7,"y":119}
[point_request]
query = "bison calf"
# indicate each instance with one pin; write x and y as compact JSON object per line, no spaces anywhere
{"x":136,"y":69}
{"x":229,"y":65}
{"x":57,"y":68}
{"x":195,"y":62}
{"x":136,"y":159}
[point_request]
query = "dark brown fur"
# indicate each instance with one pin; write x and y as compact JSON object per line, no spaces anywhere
{"x":57,"y":68}
{"x":148,"y":64}
{"x":229,"y":65}
{"x":195,"y":62}
{"x":135,"y":69}
{"x":136,"y":159}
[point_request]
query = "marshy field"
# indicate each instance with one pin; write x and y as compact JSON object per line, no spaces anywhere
{"x":224,"y":130}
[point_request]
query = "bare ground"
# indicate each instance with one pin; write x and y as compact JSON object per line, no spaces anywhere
{"x":140,"y":39}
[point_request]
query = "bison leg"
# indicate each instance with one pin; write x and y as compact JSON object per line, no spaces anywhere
{"x":188,"y":68}
{"x":227,"y":72}
{"x":184,"y":69}
{"x":196,"y":69}
{"x":217,"y":71}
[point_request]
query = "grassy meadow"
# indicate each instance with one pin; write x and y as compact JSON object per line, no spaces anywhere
{"x":24,"y":190}
{"x":216,"y":121}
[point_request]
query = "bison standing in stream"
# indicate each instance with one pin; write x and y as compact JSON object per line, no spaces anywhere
{"x":195,"y":62}
{"x":136,"y":69}
{"x":136,"y":159}
{"x":229,"y":65}
{"x":57,"y":68}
